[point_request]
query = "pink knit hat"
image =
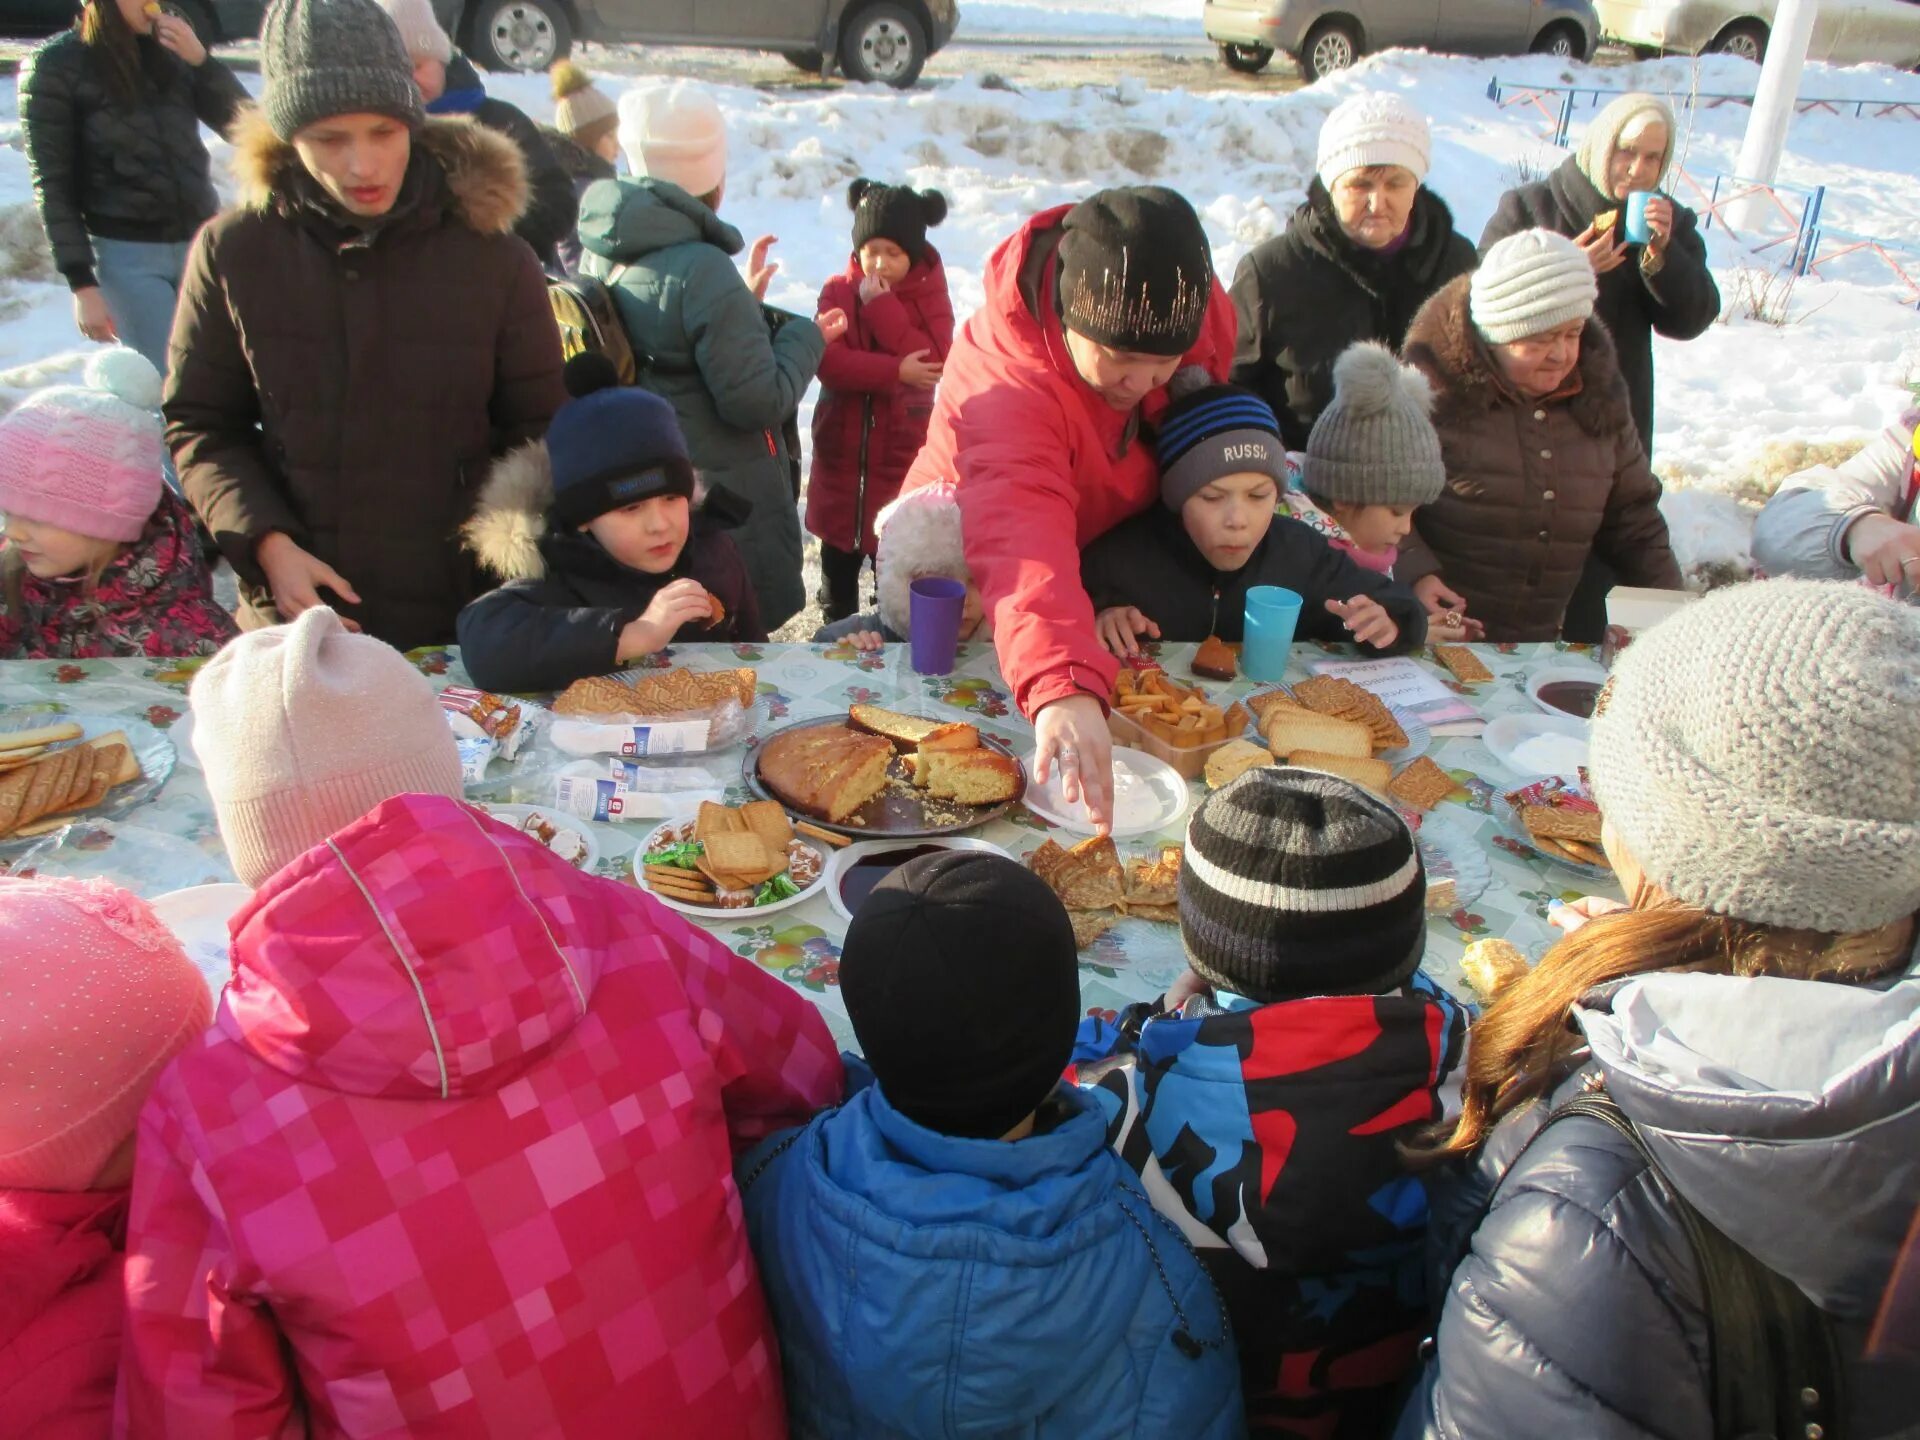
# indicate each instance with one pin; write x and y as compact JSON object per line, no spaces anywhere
{"x":87,"y":458}
{"x":99,"y":997}
{"x":303,"y":728}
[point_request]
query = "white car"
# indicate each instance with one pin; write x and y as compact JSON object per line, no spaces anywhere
{"x":1847,"y":32}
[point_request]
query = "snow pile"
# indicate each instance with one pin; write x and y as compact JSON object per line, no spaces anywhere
{"x":1837,"y":369}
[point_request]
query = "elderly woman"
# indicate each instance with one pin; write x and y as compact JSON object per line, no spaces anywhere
{"x":1739,"y":1044}
{"x":1858,"y":520}
{"x":1544,"y":466}
{"x":1090,"y":309}
{"x":358,"y":339}
{"x":1356,"y":262}
{"x":1662,"y":287}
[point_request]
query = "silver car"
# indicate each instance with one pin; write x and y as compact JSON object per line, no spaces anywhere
{"x":1846,"y":32}
{"x":1323,"y":36}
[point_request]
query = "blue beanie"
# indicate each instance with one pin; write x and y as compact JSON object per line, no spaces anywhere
{"x":613,"y":447}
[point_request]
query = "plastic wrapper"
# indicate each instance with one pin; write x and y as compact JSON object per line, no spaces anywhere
{"x":694,"y":732}
{"x":616,"y":791}
{"x":486,"y":727}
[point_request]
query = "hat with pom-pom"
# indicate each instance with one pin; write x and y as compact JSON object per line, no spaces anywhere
{"x":1375,"y":444}
{"x":896,"y":213}
{"x":612,"y":445}
{"x":918,"y":535}
{"x":1211,"y":431}
{"x":582,"y":111}
{"x":87,"y":457}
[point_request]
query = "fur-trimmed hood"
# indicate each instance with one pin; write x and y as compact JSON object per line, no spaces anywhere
{"x":485,"y":174}
{"x":1443,"y":343}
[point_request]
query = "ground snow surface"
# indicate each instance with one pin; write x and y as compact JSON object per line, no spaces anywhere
{"x":1839,"y":368}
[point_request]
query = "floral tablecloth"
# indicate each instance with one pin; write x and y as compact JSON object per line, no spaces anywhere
{"x":171,"y":842}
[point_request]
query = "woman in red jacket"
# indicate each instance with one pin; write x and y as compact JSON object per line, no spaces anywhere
{"x":1090,"y":309}
{"x":877,"y":379}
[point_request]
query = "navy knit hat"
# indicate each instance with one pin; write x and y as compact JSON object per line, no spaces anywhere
{"x":894,"y":212}
{"x":960,"y":977}
{"x":1213,"y":430}
{"x":614,"y":445}
{"x":1299,"y":883}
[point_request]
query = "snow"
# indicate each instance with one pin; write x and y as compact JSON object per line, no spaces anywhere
{"x":1839,"y":367}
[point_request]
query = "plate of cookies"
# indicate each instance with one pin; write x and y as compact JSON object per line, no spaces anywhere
{"x":730,"y":858}
{"x":655,"y":712}
{"x":1327,"y":723}
{"x":59,"y":768}
{"x":1557,"y":819}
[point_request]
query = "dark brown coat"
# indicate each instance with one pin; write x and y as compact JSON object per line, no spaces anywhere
{"x":352,"y":390}
{"x":1532,"y":487}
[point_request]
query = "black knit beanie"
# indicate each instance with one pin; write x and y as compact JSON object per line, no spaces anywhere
{"x":961,"y":980}
{"x":1135,"y":270}
{"x":893,"y":212}
{"x":612,"y":445}
{"x":1299,"y":883}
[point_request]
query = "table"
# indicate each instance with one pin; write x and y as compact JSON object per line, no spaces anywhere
{"x":172,"y":842}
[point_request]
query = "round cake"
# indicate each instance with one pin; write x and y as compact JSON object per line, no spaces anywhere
{"x":828,"y":771}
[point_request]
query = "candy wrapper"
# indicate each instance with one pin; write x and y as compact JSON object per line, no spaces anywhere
{"x":1555,"y":790}
{"x":637,"y":737}
{"x":485,"y":726}
{"x":616,"y":790}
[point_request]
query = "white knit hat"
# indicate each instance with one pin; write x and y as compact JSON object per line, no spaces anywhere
{"x":1756,"y":754}
{"x":419,"y":29}
{"x":1603,"y":136}
{"x":918,"y":534}
{"x":87,"y":458}
{"x":675,"y":133}
{"x":303,"y":728}
{"x":1373,"y":130}
{"x":1528,"y":283}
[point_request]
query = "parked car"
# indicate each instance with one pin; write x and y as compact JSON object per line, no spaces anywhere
{"x":1846,"y":32}
{"x":1327,"y":35}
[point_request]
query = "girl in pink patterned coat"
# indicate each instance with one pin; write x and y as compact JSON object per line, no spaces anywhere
{"x":100,"y":557}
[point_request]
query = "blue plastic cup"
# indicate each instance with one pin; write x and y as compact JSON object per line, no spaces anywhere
{"x":1273,"y":613}
{"x":1637,"y":231}
{"x":934,"y":608}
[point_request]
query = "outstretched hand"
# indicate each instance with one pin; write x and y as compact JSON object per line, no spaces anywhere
{"x":760,"y":270}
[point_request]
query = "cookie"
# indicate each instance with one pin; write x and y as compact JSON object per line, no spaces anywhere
{"x":1422,"y":784}
{"x":1466,"y":666}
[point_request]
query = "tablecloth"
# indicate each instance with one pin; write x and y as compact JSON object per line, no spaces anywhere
{"x":171,"y":842}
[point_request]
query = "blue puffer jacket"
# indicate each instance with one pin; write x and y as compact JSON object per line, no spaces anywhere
{"x":925,"y":1286}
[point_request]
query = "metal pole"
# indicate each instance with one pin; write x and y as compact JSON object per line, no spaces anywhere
{"x":1773,"y":102}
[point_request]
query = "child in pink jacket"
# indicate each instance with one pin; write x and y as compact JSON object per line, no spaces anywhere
{"x":455,"y":1158}
{"x":877,"y":380}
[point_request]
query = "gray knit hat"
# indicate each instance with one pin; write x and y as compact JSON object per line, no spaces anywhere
{"x":1375,"y":445}
{"x":333,"y":57}
{"x":1530,"y":283}
{"x":1213,"y":430}
{"x":1758,"y":754}
{"x":1300,"y":883}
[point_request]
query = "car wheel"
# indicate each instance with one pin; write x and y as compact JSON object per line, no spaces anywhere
{"x":811,"y":61}
{"x":883,"y":43}
{"x":1331,"y":45}
{"x":1247,"y":59}
{"x":1745,"y":38}
{"x":1562,"y":39}
{"x":521,"y":34}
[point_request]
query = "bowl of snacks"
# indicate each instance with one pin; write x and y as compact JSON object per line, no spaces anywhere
{"x":566,"y":835}
{"x":1176,"y":724}
{"x":1556,"y":818}
{"x":730,"y":858}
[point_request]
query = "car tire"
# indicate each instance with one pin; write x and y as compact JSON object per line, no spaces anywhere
{"x":811,"y":61}
{"x":1331,"y":46}
{"x":525,"y":35}
{"x":1247,"y":59}
{"x":1745,"y":38}
{"x":883,"y":43}
{"x":1562,"y":38}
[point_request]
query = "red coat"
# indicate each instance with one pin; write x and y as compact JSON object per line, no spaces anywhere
{"x":868,"y":426}
{"x":455,"y":1158}
{"x":60,"y":1309}
{"x":1042,"y":465}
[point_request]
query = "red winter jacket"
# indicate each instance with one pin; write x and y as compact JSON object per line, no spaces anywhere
{"x":1043,"y":465}
{"x":455,"y":1157}
{"x":868,"y":426}
{"x":60,"y":1309}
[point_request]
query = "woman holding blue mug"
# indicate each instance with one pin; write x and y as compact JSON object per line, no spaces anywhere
{"x":1657,"y":286}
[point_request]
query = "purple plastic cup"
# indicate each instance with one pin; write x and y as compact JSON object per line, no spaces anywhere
{"x":936,"y":605}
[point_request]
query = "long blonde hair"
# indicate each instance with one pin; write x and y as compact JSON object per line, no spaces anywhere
{"x":103,"y":28}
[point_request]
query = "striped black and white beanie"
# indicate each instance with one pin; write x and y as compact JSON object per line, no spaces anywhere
{"x":1299,"y":883}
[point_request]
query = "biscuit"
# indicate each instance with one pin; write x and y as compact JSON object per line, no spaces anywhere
{"x":1422,"y":784}
{"x":1466,"y":666}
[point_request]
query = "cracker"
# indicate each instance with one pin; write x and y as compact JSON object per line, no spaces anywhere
{"x":1466,"y":666}
{"x":13,"y":794}
{"x":742,"y":854}
{"x":768,"y":820}
{"x":113,"y":761}
{"x":39,"y":738}
{"x":127,"y":768}
{"x":1560,"y":822}
{"x":1331,"y":695}
{"x":1288,"y":732}
{"x":1373,"y":775}
{"x":715,"y":819}
{"x":82,"y":780}
{"x":1089,"y":926}
{"x":44,"y":826}
{"x":1422,"y":784}
{"x":51,"y":777}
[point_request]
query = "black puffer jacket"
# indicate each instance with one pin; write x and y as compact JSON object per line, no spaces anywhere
{"x":1307,"y":294}
{"x":1788,"y":1114}
{"x":1679,"y":301}
{"x":553,"y":203}
{"x":117,"y":166}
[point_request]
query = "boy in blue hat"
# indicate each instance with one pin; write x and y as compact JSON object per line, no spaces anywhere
{"x":607,"y":552}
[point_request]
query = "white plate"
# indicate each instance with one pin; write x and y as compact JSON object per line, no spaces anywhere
{"x":1506,"y":734}
{"x":844,"y":859}
{"x":518,"y":815}
{"x":150,"y":747}
{"x":1163,"y":791}
{"x":198,"y":918}
{"x":658,"y":836}
{"x":1449,"y":853}
{"x":1561,"y":670}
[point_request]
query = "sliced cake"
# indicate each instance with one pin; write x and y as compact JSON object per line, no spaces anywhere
{"x":904,"y":731}
{"x":972,"y":777}
{"x":826,"y":770}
